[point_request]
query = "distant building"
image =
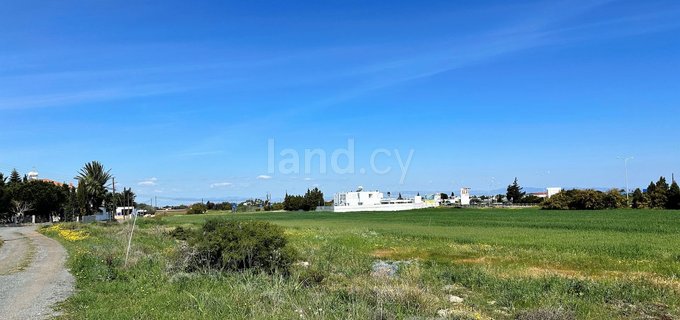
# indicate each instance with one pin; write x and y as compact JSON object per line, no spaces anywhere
{"x":361,"y":200}
{"x":553,"y":191}
{"x":124,"y":211}
{"x":32,"y":176}
{"x":539,"y":194}
{"x":465,"y":196}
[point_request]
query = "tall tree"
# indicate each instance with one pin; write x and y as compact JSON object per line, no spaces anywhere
{"x":128,"y":197}
{"x":81,"y":201}
{"x":70,"y":207}
{"x":313,"y":198}
{"x":94,"y":179}
{"x":639,"y":199}
{"x":515,"y":193}
{"x":673,"y":201}
{"x":651,"y":188}
{"x":14,"y":177}
{"x":659,"y":195}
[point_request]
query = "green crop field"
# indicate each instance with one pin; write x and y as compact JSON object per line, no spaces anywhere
{"x":504,"y":264}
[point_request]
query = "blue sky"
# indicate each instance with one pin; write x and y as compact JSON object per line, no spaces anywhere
{"x":180,"y":98}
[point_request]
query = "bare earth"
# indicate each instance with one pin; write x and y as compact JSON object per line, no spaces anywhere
{"x":32,"y":274}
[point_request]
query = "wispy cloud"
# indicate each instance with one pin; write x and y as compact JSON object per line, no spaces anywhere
{"x":148,"y":182}
{"x":264,"y":177}
{"x":221,"y":184}
{"x":29,"y":101}
{"x":556,"y":25}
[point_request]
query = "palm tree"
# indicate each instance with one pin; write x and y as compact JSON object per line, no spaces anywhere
{"x":128,"y":197}
{"x":94,"y":179}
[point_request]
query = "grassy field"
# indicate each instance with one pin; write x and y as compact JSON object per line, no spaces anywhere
{"x":505,"y":264}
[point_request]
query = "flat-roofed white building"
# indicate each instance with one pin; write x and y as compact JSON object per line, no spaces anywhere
{"x":361,"y":200}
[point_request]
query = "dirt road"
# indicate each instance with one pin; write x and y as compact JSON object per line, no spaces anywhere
{"x":32,"y":274}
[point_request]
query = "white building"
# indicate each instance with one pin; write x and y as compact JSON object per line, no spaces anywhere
{"x":465,"y":196}
{"x":32,"y":176}
{"x":553,"y":191}
{"x":124,"y":211}
{"x":361,"y":200}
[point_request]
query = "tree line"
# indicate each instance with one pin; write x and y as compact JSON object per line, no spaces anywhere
{"x":22,"y":197}
{"x":308,"y":202}
{"x":659,"y":195}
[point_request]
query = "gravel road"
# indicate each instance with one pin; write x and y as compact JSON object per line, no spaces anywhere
{"x":32,"y":274}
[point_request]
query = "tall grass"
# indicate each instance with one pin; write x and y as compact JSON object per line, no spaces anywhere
{"x":503,"y":263}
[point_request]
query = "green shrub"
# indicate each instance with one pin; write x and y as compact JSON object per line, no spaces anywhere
{"x":240,"y":245}
{"x":197,"y":208}
{"x":181,"y":233}
{"x":311,"y":277}
{"x":586,"y":200}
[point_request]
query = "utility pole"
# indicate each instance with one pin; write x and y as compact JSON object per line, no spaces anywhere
{"x":113,"y":181}
{"x":625,"y":164}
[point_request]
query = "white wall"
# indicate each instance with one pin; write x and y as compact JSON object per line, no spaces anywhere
{"x":378,"y":207}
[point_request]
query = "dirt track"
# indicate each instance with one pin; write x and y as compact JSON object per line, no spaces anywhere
{"x":32,"y":274}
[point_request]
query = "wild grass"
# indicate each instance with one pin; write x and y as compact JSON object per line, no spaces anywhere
{"x":526,"y":264}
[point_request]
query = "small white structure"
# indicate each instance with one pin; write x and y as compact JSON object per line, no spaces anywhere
{"x":464,"y":196}
{"x":539,"y":194}
{"x":33,"y":175}
{"x":361,"y":200}
{"x":553,"y":191}
{"x":101,"y":215}
{"x":123,"y":211}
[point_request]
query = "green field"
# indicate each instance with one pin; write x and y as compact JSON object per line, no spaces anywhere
{"x":503,"y":263}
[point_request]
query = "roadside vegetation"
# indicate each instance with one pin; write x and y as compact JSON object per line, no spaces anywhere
{"x":449,"y":263}
{"x":48,"y":200}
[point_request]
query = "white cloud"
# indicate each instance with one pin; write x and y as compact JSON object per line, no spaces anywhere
{"x":264,"y":177}
{"x":220,"y":184}
{"x":148,"y":182}
{"x":308,"y":179}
